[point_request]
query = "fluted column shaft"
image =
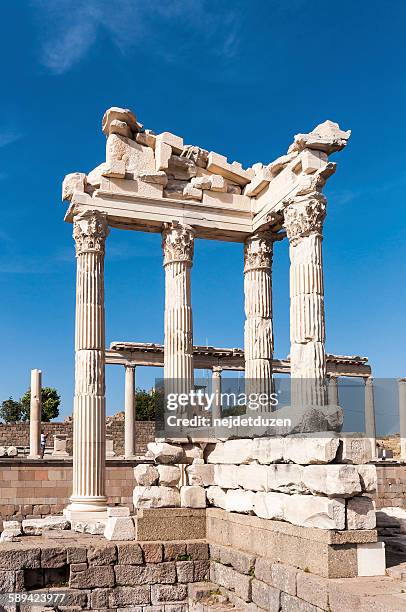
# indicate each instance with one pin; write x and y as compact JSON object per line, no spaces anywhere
{"x":402,"y":417}
{"x":216,"y":391}
{"x":130,"y":412}
{"x":177,"y":245}
{"x":370,"y":428}
{"x":89,"y":413}
{"x":258,"y":330}
{"x":304,"y":219}
{"x":333,"y":398}
{"x":35,"y":413}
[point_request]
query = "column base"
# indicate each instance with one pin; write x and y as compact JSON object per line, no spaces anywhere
{"x":93,"y":505}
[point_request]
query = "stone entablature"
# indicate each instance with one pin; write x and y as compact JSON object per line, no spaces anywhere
{"x":150,"y":179}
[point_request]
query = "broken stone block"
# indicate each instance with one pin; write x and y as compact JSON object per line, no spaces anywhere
{"x":156,"y":497}
{"x":115,"y":116}
{"x":37,"y":526}
{"x":252,"y":477}
{"x":146,"y":475}
{"x":280,"y":163}
{"x":235,"y":189}
{"x":93,"y":527}
{"x":270,"y":505}
{"x":11,"y":451}
{"x":72,"y":183}
{"x":115,"y":511}
{"x":196,"y":154}
{"x":16,"y":525}
{"x":315,"y":511}
{"x":226,"y":476}
{"x":201,"y":182}
{"x":261,"y":179}
{"x":10,"y":535}
{"x":158,"y":178}
{"x":191,"y":193}
{"x":332,"y":480}
{"x":119,"y":528}
{"x":218,"y":164}
{"x":313,"y":160}
{"x":174,"y":189}
{"x":309,"y":449}
{"x":237,"y":500}
{"x":217,"y":183}
{"x":327,"y":137}
{"x":267,"y":450}
{"x":361,"y":513}
{"x":368,"y":477}
{"x":192,"y":497}
{"x":176,"y":142}
{"x":285,"y":478}
{"x":355,"y":450}
{"x":165,"y":453}
{"x":169,"y":475}
{"x":371,"y":559}
{"x":163,"y":153}
{"x":115,"y":169}
{"x":217,"y":497}
{"x":146,"y":138}
{"x":231,"y":452}
{"x":200,"y":474}
{"x":181,"y":168}
{"x":2,"y":451}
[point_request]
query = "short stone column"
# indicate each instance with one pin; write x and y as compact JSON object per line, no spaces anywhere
{"x":370,"y":429}
{"x":35,"y":414}
{"x":402,"y":417}
{"x":130,"y":412}
{"x":89,"y":412}
{"x":303,"y":221}
{"x":258,"y":331}
{"x":177,"y":245}
{"x":216,"y":391}
{"x":332,"y":391}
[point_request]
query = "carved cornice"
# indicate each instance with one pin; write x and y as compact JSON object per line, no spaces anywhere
{"x":90,"y":230}
{"x":258,"y":251}
{"x":304,"y":217}
{"x":177,"y":243}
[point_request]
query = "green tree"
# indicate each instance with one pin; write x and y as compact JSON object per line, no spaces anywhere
{"x":50,"y":404}
{"x":147,"y":404}
{"x":11,"y":411}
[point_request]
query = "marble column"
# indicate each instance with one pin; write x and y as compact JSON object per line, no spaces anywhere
{"x":370,"y":429}
{"x":332,"y":391}
{"x":304,"y":218}
{"x":258,"y":330}
{"x":402,"y":417}
{"x":89,"y":413}
{"x":177,"y":245}
{"x":216,"y":391}
{"x":130,"y":412}
{"x":35,"y":414}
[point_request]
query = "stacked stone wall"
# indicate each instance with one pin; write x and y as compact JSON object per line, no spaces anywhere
{"x":97,"y":574}
{"x":391,"y":486}
{"x":18,"y":434}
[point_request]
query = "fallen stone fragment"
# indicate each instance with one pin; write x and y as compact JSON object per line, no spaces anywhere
{"x":92,"y":527}
{"x":146,"y":475}
{"x":156,"y":497}
{"x":192,"y":497}
{"x":37,"y":526}
{"x":119,"y":528}
{"x":169,"y":475}
{"x":165,"y":453}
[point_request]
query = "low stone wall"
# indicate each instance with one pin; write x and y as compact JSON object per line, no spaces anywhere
{"x":97,"y":574}
{"x":41,"y":487}
{"x":18,"y":434}
{"x":391,"y":490}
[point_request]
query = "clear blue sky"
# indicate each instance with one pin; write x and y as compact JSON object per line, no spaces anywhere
{"x":239,"y":78}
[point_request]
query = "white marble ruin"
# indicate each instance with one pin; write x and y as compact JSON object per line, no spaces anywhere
{"x":35,"y":414}
{"x":156,"y":183}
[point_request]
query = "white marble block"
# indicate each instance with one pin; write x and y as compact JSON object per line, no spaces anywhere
{"x":237,"y":500}
{"x":146,"y":475}
{"x":119,"y":528}
{"x":332,"y":480}
{"x":312,"y":511}
{"x":361,"y":513}
{"x":169,"y":475}
{"x":371,"y":559}
{"x":156,"y":497}
{"x":270,"y":505}
{"x":192,"y":497}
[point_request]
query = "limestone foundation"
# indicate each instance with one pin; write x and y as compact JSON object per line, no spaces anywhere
{"x":90,"y":231}
{"x":304,"y":219}
{"x":177,"y":245}
{"x":35,"y":413}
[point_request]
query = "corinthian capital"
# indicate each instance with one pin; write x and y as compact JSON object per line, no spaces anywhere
{"x":304,"y":217}
{"x":258,"y":251}
{"x":177,"y":242}
{"x":90,"y":230}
